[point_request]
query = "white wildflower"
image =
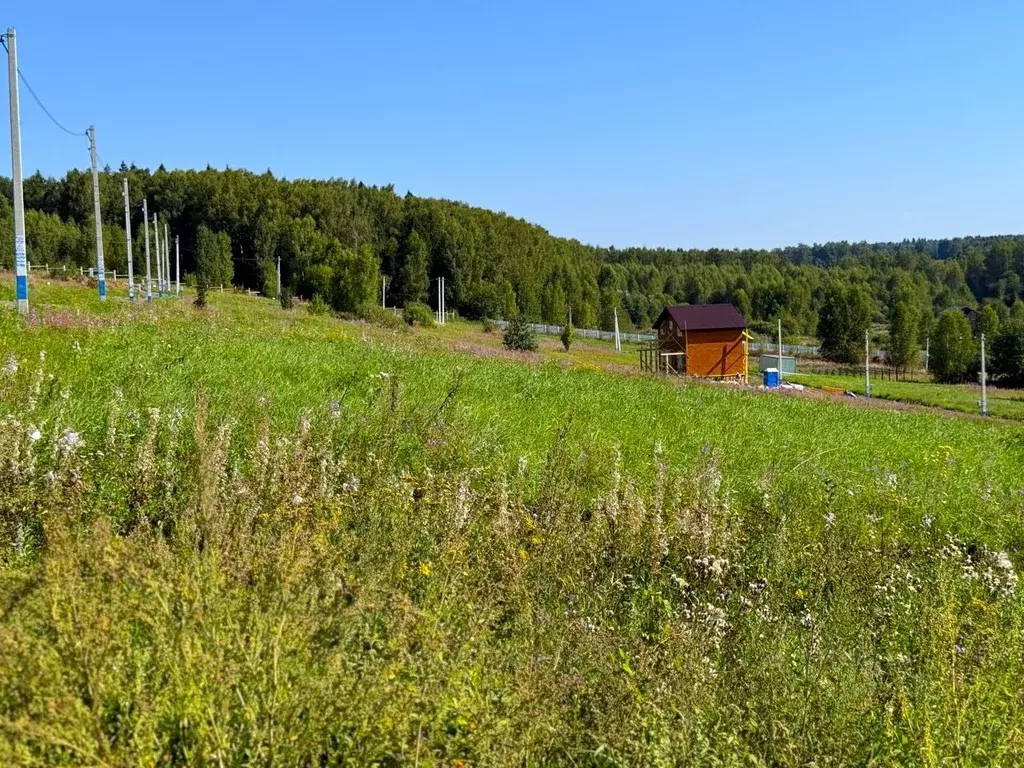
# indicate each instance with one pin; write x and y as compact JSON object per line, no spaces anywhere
{"x":351,"y":485}
{"x":385,"y":375}
{"x":34,"y":435}
{"x":76,"y":346}
{"x":12,"y":366}
{"x":70,"y":440}
{"x":830,"y":520}
{"x":296,"y":500}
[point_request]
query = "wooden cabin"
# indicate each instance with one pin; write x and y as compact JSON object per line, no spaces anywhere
{"x":699,"y":340}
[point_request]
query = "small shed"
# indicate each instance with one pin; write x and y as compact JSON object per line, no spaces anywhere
{"x":785,"y":363}
{"x":699,"y":340}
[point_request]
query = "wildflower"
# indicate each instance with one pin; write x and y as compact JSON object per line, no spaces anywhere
{"x":76,"y":346}
{"x":334,"y":410}
{"x":351,"y":485}
{"x":425,"y":569}
{"x":926,"y":522}
{"x":830,"y":520}
{"x":296,"y":499}
{"x":34,"y":435}
{"x":12,"y":366}
{"x":70,"y":440}
{"x":42,"y":355}
{"x":385,"y":375}
{"x":799,"y":593}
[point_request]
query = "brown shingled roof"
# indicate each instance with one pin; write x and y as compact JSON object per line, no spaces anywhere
{"x":703,"y":317}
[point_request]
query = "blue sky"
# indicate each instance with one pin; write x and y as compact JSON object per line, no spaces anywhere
{"x":679,"y":124}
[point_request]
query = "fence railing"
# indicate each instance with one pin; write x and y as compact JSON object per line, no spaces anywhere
{"x":635,"y":337}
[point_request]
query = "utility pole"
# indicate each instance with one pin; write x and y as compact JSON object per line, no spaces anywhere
{"x":159,"y":268}
{"x":167,"y":259}
{"x":279,"y":277}
{"x":618,"y":344}
{"x":20,"y":256}
{"x":444,"y":304}
{"x":984,"y":395}
{"x":867,"y":364}
{"x":177,"y":268}
{"x":145,"y":227}
{"x":927,"y":342}
{"x":383,"y":291}
{"x":128,"y":241}
{"x":439,"y":301}
{"x":101,"y":275}
{"x":780,"y":350}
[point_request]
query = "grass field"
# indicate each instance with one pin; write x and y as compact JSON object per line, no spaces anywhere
{"x":253,"y":536}
{"x":1002,"y":403}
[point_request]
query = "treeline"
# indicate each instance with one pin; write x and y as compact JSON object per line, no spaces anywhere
{"x":338,"y":239}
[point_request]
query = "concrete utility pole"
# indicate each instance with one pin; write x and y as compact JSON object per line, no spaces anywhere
{"x":444,"y":304}
{"x":439,"y":301}
{"x":167,"y":259}
{"x":159,"y":267}
{"x":867,"y":364}
{"x":128,"y":240}
{"x":177,"y":268}
{"x":927,"y":342}
{"x":145,"y":227}
{"x":101,"y":273}
{"x":278,"y":277}
{"x":780,"y":350}
{"x":618,"y":344}
{"x":984,"y":395}
{"x":383,"y":291}
{"x":20,"y":255}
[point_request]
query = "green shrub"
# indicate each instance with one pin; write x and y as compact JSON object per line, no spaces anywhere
{"x":416,"y":313}
{"x":378,"y":315}
{"x":286,"y":298}
{"x":488,"y":325}
{"x":518,"y":336}
{"x":200,"y":300}
{"x":568,"y":336}
{"x":318,"y":306}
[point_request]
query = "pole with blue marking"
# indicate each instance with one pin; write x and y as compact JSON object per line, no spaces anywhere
{"x":20,"y":255}
{"x":101,"y":275}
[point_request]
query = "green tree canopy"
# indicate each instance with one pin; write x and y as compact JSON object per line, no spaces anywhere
{"x":953,"y":349}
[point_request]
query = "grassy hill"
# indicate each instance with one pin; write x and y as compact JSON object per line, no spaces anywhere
{"x":247,"y":535}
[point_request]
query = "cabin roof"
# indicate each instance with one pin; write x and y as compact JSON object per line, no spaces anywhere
{"x":703,"y":317}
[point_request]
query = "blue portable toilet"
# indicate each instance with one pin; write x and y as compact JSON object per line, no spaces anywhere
{"x":771,"y":378}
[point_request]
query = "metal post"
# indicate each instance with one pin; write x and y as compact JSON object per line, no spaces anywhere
{"x":145,"y":227}
{"x":128,"y":240}
{"x":100,"y":271}
{"x":867,"y":364}
{"x":177,"y":267}
{"x":20,"y":255}
{"x":984,"y":394}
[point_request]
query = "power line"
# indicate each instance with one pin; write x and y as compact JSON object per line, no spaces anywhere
{"x":39,"y":101}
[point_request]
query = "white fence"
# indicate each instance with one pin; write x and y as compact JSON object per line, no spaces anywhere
{"x":586,"y":333}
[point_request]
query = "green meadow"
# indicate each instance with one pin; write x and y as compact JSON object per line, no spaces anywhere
{"x":252,"y":536}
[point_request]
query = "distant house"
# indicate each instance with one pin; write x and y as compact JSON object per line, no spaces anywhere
{"x":699,"y":340}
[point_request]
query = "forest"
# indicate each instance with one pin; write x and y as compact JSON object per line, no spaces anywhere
{"x":338,"y":239}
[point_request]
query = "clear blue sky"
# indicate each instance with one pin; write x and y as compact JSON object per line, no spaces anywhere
{"x":690,"y":124}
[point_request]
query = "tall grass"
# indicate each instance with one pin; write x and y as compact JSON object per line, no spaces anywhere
{"x":246,"y":536}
